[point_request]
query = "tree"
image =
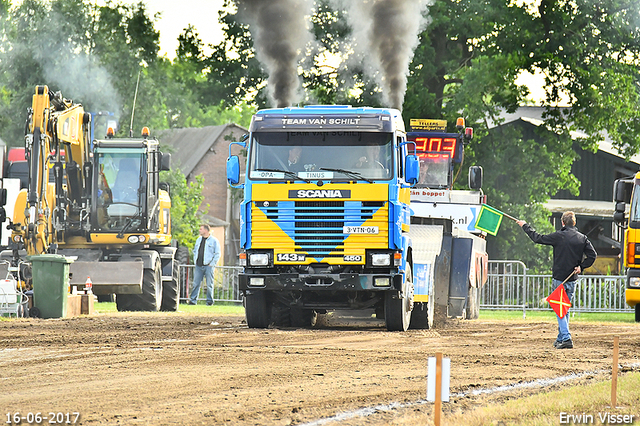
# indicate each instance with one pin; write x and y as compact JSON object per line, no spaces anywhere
{"x":90,"y":53}
{"x":186,"y":198}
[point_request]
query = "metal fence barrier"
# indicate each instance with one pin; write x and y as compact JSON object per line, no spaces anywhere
{"x":225,"y":284}
{"x":510,"y":287}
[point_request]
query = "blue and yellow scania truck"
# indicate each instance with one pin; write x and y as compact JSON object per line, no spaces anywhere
{"x":325,"y":216}
{"x":326,"y":222}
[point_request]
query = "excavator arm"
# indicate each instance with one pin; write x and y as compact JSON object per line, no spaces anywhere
{"x":45,"y":208}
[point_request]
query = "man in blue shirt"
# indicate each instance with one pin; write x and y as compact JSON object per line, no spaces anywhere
{"x":206,"y":254}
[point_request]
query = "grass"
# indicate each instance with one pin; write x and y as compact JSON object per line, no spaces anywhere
{"x":546,"y":408}
{"x":598,"y":317}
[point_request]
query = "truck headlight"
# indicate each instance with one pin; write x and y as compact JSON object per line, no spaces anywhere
{"x":380,"y":259}
{"x":634,"y":282}
{"x":381,"y":282}
{"x":259,"y":259}
{"x":256,"y":281}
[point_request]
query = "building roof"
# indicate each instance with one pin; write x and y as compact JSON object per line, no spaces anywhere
{"x":602,"y":209}
{"x":189,"y":145}
{"x":533,"y":115}
{"x":213,"y":221}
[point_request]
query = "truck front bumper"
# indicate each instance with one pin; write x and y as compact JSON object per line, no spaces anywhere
{"x":632,"y":292}
{"x":325,"y":282}
{"x":632,"y":296}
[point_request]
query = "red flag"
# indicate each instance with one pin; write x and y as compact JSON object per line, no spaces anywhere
{"x":559,"y":301}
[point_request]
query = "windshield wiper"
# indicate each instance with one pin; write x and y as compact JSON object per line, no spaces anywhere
{"x":128,"y":224}
{"x":286,"y":173}
{"x":353,"y":175}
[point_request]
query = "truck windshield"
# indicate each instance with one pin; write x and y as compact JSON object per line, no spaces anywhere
{"x":434,"y":170}
{"x":283,"y":154}
{"x":634,"y":211}
{"x":118,"y":192}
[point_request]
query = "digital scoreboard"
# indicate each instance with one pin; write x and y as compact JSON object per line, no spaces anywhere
{"x":442,"y":143}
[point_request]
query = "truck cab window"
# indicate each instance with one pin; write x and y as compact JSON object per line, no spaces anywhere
{"x":367,"y":153}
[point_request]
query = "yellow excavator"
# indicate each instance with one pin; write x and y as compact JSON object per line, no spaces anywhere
{"x":99,"y":202}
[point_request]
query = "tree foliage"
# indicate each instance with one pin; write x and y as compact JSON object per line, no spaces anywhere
{"x":186,"y":198}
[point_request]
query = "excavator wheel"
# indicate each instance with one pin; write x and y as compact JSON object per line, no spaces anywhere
{"x":171,"y":291}
{"x":151,"y":297}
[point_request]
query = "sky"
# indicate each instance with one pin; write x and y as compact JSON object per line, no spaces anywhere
{"x":178,"y":14}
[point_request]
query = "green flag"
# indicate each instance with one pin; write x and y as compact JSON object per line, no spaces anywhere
{"x":489,"y":219}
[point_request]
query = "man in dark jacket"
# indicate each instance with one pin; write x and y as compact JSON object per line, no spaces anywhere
{"x":572,"y":254}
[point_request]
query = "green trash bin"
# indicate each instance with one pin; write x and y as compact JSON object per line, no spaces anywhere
{"x":50,"y":280}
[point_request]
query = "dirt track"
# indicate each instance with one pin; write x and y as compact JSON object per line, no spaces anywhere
{"x":176,"y":368}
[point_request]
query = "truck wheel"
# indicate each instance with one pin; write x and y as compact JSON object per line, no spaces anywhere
{"x":397,"y":312}
{"x":257,"y":310}
{"x":473,"y":304}
{"x":638,"y":312}
{"x":171,"y":291}
{"x":151,"y":297}
{"x":303,"y":317}
{"x":281,"y":315}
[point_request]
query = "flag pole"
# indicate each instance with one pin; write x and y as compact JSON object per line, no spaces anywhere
{"x":510,"y":217}
{"x":503,"y":213}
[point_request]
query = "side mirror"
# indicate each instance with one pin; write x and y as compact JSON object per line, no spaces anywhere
{"x":618,"y":215}
{"x":412,"y":169}
{"x":165,"y":161}
{"x":165,"y":187}
{"x":233,"y":170}
{"x":3,"y":197}
{"x":622,"y":190}
{"x":475,"y":177}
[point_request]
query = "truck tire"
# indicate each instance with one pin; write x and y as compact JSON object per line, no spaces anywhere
{"x":171,"y":291}
{"x":151,"y":297}
{"x":472,"y":310}
{"x":638,"y":312}
{"x":281,"y":315}
{"x":303,"y":317}
{"x":397,"y":311}
{"x":257,"y":310}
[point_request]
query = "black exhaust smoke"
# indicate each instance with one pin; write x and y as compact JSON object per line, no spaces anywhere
{"x":280,"y":34}
{"x":385,"y":36}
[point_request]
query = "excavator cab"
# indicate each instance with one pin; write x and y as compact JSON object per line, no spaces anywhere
{"x":119,"y":196}
{"x":127,"y":197}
